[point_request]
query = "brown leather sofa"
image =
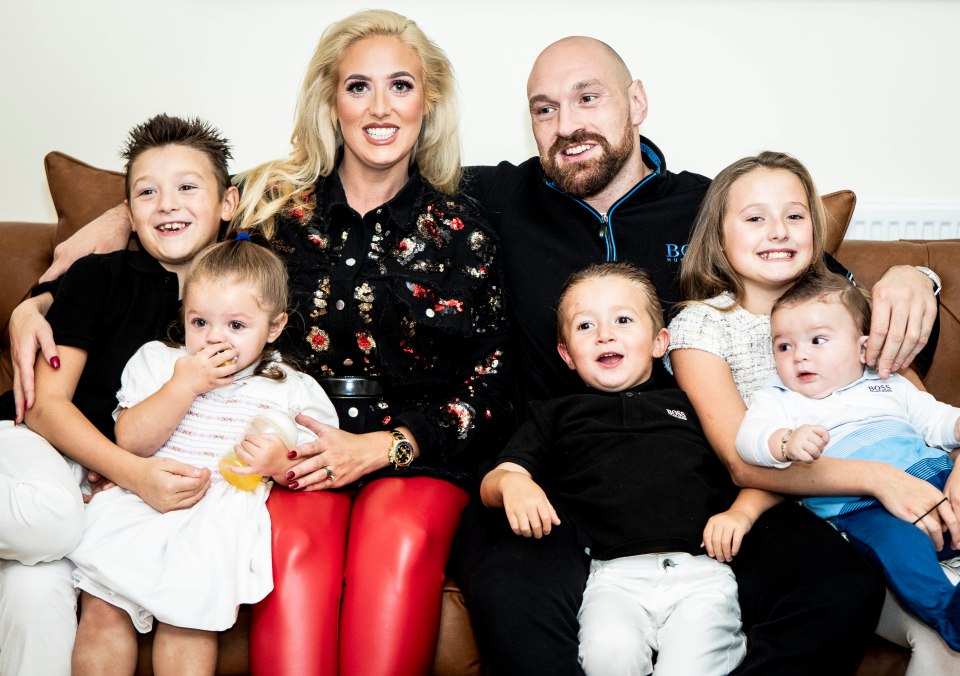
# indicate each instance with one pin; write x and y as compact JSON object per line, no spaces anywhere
{"x":81,"y":192}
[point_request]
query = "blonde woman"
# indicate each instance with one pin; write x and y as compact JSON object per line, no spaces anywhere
{"x":397,"y":311}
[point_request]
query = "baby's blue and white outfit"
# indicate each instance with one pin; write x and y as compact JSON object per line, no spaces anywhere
{"x":888,"y":421}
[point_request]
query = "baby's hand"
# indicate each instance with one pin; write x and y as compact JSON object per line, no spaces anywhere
{"x":529,"y":512}
{"x":725,"y":532}
{"x":807,"y":442}
{"x":265,"y":454}
{"x":211,"y":367}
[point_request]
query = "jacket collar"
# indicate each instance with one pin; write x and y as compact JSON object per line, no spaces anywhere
{"x":399,"y":207}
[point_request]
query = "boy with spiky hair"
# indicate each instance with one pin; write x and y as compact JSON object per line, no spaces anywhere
{"x":105,"y":307}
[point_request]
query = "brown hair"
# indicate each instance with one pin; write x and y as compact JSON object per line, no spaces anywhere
{"x":627,"y":271}
{"x":705,"y":271}
{"x":242,"y":261}
{"x":829,"y":288}
{"x":167,"y":130}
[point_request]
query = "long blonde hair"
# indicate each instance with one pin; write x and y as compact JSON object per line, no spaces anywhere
{"x":706,"y":271}
{"x":289,"y":182}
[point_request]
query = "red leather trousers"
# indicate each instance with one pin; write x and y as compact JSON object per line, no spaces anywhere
{"x":357,"y":579}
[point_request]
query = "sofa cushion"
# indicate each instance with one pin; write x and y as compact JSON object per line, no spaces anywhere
{"x":80,"y":192}
{"x":839,"y":206}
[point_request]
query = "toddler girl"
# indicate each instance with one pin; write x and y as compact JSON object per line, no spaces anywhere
{"x":760,"y":227}
{"x":191,"y":568}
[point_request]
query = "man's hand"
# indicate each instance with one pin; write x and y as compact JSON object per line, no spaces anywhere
{"x":903,"y":311}
{"x":110,"y":231}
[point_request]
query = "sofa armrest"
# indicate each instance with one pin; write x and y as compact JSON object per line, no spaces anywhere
{"x":29,"y":250}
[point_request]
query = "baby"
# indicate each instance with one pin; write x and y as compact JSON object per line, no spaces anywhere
{"x":826,"y":403}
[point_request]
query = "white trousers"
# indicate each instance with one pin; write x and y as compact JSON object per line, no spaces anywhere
{"x":41,"y":519}
{"x":684,"y":607}
{"x":929,"y":653}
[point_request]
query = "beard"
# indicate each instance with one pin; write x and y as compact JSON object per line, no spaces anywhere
{"x":587,"y":178}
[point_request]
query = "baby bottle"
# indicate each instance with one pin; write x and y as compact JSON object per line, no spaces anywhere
{"x":271,"y":421}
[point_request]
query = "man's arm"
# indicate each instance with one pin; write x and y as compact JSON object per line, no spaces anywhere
{"x":903,"y":312}
{"x":110,"y":231}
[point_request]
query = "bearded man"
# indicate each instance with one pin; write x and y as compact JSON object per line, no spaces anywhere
{"x":601,"y":191}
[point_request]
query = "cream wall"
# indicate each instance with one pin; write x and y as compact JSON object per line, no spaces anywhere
{"x":866,"y":93}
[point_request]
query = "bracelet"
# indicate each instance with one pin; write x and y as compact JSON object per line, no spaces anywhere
{"x":919,"y":518}
{"x":783,"y":445}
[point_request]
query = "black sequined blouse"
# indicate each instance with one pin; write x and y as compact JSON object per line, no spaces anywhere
{"x":409,"y":295}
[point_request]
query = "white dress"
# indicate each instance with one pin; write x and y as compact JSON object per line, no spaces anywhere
{"x":191,"y":567}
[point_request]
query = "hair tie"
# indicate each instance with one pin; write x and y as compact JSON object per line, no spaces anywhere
{"x":243,"y":237}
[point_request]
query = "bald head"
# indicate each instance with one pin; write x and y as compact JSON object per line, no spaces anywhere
{"x":577,"y":50}
{"x":586,"y":114}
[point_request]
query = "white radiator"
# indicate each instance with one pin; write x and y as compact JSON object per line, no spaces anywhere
{"x":921,"y":218}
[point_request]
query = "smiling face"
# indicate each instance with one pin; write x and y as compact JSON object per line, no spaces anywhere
{"x":175,"y":204}
{"x":228,"y":311}
{"x":817,"y":346}
{"x":609,"y":337}
{"x":585,"y":112}
{"x":379,"y":105}
{"x":767,"y":234}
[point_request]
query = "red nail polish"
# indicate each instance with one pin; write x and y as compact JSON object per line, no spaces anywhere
{"x":55,"y":362}
{"x":292,"y":455}
{"x":290,"y":475}
{"x":293,"y":485}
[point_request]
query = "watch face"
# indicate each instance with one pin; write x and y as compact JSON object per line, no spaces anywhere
{"x":403,"y":454}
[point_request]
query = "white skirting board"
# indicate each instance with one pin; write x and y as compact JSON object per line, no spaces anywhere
{"x":920,"y":218}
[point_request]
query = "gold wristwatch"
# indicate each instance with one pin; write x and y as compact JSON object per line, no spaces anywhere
{"x":401,"y":450}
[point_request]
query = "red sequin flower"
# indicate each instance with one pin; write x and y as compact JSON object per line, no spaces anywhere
{"x":365,"y":342}
{"x":318,"y":339}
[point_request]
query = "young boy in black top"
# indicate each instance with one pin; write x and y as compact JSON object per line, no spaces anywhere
{"x":629,"y":467}
{"x":106,"y":306}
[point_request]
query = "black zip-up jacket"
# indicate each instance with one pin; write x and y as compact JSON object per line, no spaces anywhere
{"x":546,"y":234}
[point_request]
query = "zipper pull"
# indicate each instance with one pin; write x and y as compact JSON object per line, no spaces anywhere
{"x":603,"y":226}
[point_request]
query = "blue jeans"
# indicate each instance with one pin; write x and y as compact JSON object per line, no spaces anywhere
{"x":910,"y":564}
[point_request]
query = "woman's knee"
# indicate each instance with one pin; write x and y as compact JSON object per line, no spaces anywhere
{"x":406,"y":522}
{"x":307,"y":525}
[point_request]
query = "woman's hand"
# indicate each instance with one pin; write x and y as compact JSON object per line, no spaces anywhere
{"x":337,"y":458}
{"x":919,"y":502}
{"x":29,"y":332}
